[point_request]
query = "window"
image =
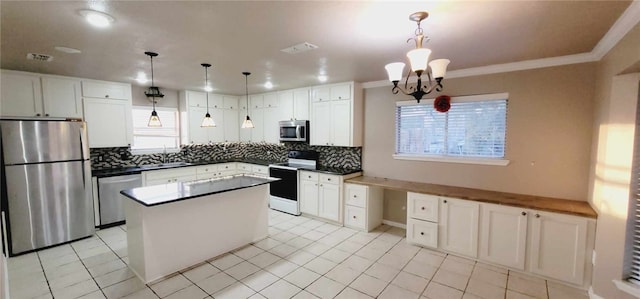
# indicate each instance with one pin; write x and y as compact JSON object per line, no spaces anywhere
{"x":146,"y":138}
{"x":473,"y":129}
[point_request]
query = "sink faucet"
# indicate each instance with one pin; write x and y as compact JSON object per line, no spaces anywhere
{"x":164,"y":155}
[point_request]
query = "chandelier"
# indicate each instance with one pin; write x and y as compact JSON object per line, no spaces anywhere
{"x":419,"y":60}
{"x":153,"y":93}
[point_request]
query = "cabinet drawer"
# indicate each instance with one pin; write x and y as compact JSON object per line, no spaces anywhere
{"x":170,"y":173}
{"x":355,"y":217}
{"x":205,"y":169}
{"x":227,"y":166}
{"x":356,"y":195}
{"x":422,"y":232}
{"x":263,"y":170}
{"x":308,"y":176}
{"x":329,"y":179}
{"x":422,"y":206}
{"x":244,"y":167}
{"x":110,"y":90}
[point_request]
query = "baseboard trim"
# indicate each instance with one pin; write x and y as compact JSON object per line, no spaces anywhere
{"x":593,"y":295}
{"x":394,"y":224}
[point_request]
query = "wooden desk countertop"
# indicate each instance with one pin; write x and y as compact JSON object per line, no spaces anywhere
{"x":557,"y":205}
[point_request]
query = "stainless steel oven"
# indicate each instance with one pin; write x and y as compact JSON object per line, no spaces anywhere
{"x":294,"y":130}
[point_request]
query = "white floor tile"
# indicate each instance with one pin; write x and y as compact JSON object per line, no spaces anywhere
{"x":94,"y":295}
{"x":280,"y":289}
{"x":394,"y":292}
{"x":302,"y":277}
{"x":242,"y":270}
{"x":248,"y":252}
{"x":343,"y":274}
{"x":264,"y":259}
{"x":124,"y":288}
{"x":267,"y":244}
{"x":357,"y":263}
{"x":451,"y":279}
{"x":370,"y":253}
{"x":170,"y":285}
{"x":438,"y":291}
{"x":300,"y":257}
{"x":281,"y":268}
{"x":201,"y":272}
{"x":320,"y":265}
{"x":421,"y":269}
{"x":145,"y":293}
{"x":485,"y":290}
{"x":316,"y":248}
{"x":283,"y":250}
{"x":527,"y":285}
{"x":560,"y":291}
{"x":394,"y":261}
{"x":260,"y":280}
{"x":216,"y":283}
{"x":382,"y":272}
{"x":368,"y":285}
{"x":325,"y":288}
{"x":515,"y":295}
{"x":114,"y":277}
{"x":76,"y":290}
{"x":458,"y":267}
{"x":429,"y":257}
{"x":490,"y":277}
{"x":349,"y":293}
{"x":226,"y":261}
{"x":107,"y":267}
{"x":234,"y":291}
{"x":191,"y":292}
{"x":299,"y":242}
{"x":304,"y":295}
{"x":411,"y":282}
{"x":59,"y":282}
{"x":336,"y":255}
{"x":349,"y":246}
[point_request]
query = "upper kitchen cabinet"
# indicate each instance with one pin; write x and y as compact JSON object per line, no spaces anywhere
{"x":107,"y":111}
{"x":243,"y":134}
{"x":35,"y":95}
{"x":294,"y":104}
{"x":256,"y":112}
{"x":336,"y":115}
{"x":193,"y":107}
{"x":230,"y":119}
{"x":272,"y":115}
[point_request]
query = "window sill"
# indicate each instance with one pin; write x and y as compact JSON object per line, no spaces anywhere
{"x":627,"y":287}
{"x":154,"y":151}
{"x":446,"y":159}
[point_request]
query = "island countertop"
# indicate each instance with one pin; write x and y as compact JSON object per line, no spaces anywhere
{"x":168,"y":193}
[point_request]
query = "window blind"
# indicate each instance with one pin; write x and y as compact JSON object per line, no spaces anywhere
{"x":632,"y":267}
{"x":468,"y":129}
{"x":145,"y":137}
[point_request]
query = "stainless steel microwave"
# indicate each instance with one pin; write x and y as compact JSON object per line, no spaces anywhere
{"x":294,"y":130}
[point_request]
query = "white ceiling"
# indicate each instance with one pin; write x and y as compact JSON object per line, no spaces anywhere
{"x":356,"y":38}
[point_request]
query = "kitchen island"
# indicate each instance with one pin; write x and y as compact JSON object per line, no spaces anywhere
{"x":174,"y":226}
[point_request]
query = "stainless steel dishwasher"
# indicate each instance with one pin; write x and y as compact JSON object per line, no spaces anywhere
{"x":110,"y":199}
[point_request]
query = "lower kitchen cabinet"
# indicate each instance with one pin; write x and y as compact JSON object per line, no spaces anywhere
{"x":309,"y":193}
{"x":329,"y":201}
{"x":422,"y":232}
{"x":459,"y":226}
{"x":166,"y":176}
{"x":363,"y":206}
{"x":320,"y":195}
{"x":422,"y":219}
{"x":503,"y":235}
{"x":558,"y":246}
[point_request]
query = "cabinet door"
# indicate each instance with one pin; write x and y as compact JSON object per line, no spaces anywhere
{"x":230,"y":124}
{"x":320,"y":94}
{"x":270,"y":100}
{"x":321,"y":123}
{"x":216,"y":134}
{"x":423,"y":206}
{"x":309,"y":197}
{"x":301,"y":104}
{"x":503,"y":235}
{"x":243,"y":134}
{"x":198,"y":134}
{"x":216,"y":101}
{"x":61,"y":97}
{"x":329,"y":205}
{"x":424,"y":233}
{"x":196,"y":99}
{"x":341,"y":123}
{"x":103,"y":89}
{"x":257,"y":116}
{"x":109,"y":122}
{"x":459,"y":226}
{"x":558,"y":245}
{"x":286,"y":105}
{"x":256,"y":101}
{"x":230,"y":102}
{"x":341,"y":92}
{"x":21,"y":95}
{"x":271,"y":127}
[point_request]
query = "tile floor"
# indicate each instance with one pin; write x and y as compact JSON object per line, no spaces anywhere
{"x":302,"y":258}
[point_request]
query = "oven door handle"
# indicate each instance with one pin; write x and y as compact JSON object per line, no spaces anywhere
{"x":298,"y":132}
{"x":283,"y":167}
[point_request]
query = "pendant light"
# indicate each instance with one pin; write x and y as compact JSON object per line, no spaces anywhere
{"x":153,"y":93}
{"x":207,"y":121}
{"x":247,"y":123}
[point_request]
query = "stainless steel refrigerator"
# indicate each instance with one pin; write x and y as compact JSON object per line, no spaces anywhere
{"x":46,"y":183}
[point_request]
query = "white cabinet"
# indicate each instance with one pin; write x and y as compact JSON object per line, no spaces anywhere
{"x":107,"y":90}
{"x":230,"y":124}
{"x":215,"y":170}
{"x":363,"y":206}
{"x":459,"y":226}
{"x":558,"y":246}
{"x":61,"y":97}
{"x":166,"y":176}
{"x":325,"y":199}
{"x":272,"y":115}
{"x":260,"y":170}
{"x":193,"y":107}
{"x":35,"y":95}
{"x":503,"y":235}
{"x":336,"y":115}
{"x":294,"y":104}
{"x":109,"y":118}
{"x":422,"y":219}
{"x":257,"y":116}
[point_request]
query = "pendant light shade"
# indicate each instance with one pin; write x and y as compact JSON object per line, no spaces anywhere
{"x":207,"y":121}
{"x":153,"y":93}
{"x":247,"y":123}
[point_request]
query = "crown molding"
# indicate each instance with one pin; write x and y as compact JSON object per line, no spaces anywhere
{"x":629,"y":18}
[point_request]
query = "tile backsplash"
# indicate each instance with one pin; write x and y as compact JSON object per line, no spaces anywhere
{"x":331,"y":156}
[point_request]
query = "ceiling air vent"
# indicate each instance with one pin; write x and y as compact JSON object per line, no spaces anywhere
{"x":40,"y":57}
{"x":299,"y":48}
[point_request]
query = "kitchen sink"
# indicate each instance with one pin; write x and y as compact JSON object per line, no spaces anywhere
{"x":165,"y":165}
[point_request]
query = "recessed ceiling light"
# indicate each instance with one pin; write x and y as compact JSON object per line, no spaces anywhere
{"x":97,"y":18}
{"x":67,"y":50}
{"x":142,"y":78}
{"x":323,"y":78}
{"x":208,"y":88}
{"x":268,"y":85}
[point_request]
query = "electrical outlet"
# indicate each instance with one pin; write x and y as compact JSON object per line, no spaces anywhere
{"x":100,"y":158}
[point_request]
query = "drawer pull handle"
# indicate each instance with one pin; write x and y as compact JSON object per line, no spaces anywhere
{"x":537,"y":215}
{"x":524,"y":213}
{"x":354,"y":217}
{"x":328,"y":179}
{"x":355,"y":196}
{"x":445,"y":201}
{"x":309,"y":176}
{"x":422,"y":208}
{"x":422,"y":233}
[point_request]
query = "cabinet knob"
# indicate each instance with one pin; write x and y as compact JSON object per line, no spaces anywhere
{"x":328,"y":179}
{"x":340,"y":98}
{"x":309,"y":176}
{"x":38,"y":114}
{"x":445,"y":201}
{"x":422,"y":233}
{"x":524,"y":213}
{"x":106,"y":96}
{"x":354,"y":217}
{"x":537,"y":215}
{"x":47,"y":114}
{"x":355,"y":196}
{"x":422,"y":208}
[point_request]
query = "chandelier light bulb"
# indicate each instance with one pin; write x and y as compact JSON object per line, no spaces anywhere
{"x":395,"y":70}
{"x":439,"y":67}
{"x":418,"y":58}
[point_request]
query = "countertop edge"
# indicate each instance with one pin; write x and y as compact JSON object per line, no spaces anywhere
{"x":572,"y":205}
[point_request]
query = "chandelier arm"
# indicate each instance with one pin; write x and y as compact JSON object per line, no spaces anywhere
{"x":395,"y":90}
